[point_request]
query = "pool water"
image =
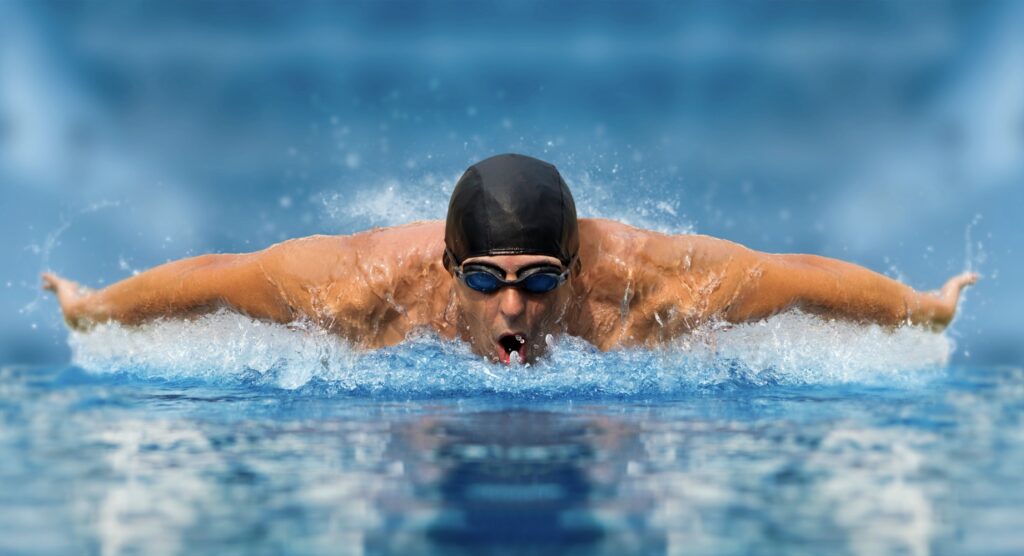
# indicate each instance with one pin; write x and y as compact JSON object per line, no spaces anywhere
{"x":247,"y":458}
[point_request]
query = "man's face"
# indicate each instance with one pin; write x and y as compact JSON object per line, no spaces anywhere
{"x":511,"y":320}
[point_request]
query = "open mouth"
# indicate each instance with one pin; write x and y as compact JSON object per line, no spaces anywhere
{"x":510,"y":344}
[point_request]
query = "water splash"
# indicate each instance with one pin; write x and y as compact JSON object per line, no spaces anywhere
{"x":598,"y":199}
{"x":975,"y":255}
{"x":788,"y":349}
{"x":393,"y":203}
{"x":388,"y":204}
{"x":52,"y":241}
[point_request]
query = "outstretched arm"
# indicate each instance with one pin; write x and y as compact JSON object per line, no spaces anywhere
{"x":347,"y":284}
{"x":837,"y":288}
{"x":180,"y":288}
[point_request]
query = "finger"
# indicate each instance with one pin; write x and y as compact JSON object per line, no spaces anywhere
{"x":962,"y":281}
{"x":49,"y":282}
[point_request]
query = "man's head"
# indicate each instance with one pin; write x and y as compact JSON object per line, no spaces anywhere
{"x":511,"y":239}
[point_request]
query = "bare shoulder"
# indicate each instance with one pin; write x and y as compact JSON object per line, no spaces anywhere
{"x":324,"y":258}
{"x":643,"y":286}
{"x":370,"y":286}
{"x":601,"y":238}
{"x":603,"y":241}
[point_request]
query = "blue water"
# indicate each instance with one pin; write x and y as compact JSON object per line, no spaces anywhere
{"x":225,"y":435}
{"x":122,"y":463}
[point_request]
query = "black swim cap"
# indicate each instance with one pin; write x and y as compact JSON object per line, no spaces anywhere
{"x":511,"y":204}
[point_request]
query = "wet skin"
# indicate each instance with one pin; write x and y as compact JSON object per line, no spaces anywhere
{"x":633,"y":287}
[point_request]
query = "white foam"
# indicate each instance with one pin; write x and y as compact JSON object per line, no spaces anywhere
{"x":791,"y":349}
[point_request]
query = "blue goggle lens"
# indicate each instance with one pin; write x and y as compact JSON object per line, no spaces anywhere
{"x":486,"y":281}
{"x":540,"y":283}
{"x":481,"y":281}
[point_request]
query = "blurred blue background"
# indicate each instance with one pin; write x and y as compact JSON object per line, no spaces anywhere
{"x":890,"y":134}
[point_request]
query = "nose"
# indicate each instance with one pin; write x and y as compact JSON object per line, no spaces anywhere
{"x":511,"y":302}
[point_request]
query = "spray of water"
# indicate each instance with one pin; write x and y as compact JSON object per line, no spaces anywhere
{"x":52,"y":241}
{"x":788,"y":349}
{"x":393,"y":203}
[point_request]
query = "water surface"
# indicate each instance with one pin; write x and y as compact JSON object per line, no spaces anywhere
{"x":170,"y":460}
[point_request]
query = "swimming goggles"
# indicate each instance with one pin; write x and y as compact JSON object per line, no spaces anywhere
{"x":487,"y":279}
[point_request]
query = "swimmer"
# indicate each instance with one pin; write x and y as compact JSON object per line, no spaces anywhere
{"x":509,"y":267}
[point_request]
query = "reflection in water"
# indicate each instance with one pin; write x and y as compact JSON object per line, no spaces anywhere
{"x":718,"y":486}
{"x":446,"y":481}
{"x":514,"y":479}
{"x":438,"y":481}
{"x":519,"y":480}
{"x":110,"y":466}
